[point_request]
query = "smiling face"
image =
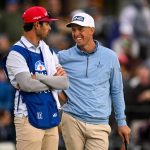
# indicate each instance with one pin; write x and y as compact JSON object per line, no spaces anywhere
{"x":83,"y":36}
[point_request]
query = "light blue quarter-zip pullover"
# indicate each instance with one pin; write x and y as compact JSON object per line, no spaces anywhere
{"x":95,"y":84}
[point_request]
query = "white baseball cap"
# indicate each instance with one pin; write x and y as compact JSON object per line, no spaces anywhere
{"x":82,"y":19}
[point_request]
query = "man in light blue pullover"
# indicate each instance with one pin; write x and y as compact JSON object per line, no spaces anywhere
{"x":95,"y":85}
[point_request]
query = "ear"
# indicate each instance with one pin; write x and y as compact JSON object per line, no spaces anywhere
{"x":92,"y":30}
{"x":36,"y":25}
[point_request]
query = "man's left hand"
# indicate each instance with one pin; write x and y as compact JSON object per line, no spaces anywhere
{"x":124,"y":132}
{"x":60,"y":72}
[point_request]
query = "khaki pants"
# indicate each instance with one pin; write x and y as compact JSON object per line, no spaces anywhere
{"x":82,"y":136}
{"x":31,"y":138}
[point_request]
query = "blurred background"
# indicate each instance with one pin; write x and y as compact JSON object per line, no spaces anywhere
{"x":122,"y":25}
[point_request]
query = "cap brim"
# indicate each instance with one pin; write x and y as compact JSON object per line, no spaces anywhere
{"x":47,"y":19}
{"x":69,"y":25}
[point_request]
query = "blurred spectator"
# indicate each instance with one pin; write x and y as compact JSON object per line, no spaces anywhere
{"x":5,"y":118}
{"x":103,"y":24}
{"x":7,"y":131}
{"x":55,"y":8}
{"x":59,"y":37}
{"x":4,"y":46}
{"x":137,"y":14}
{"x":10,"y":21}
{"x":75,"y":11}
{"x":6,"y":93}
{"x":100,"y":24}
{"x":95,"y":3}
{"x":4,"y":49}
{"x":138,"y":106}
{"x":6,"y":100}
{"x":141,"y":92}
{"x":126,"y":45}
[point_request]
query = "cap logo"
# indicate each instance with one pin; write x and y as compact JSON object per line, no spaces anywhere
{"x":46,"y":14}
{"x":36,"y":18}
{"x":78,"y":18}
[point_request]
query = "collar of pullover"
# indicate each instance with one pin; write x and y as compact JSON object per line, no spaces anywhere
{"x":86,"y":53}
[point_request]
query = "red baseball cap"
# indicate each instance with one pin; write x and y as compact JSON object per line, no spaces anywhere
{"x":36,"y":13}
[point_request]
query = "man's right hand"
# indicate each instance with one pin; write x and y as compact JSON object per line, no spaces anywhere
{"x":33,"y":76}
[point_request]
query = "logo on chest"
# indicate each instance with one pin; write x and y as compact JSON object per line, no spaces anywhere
{"x":39,"y":66}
